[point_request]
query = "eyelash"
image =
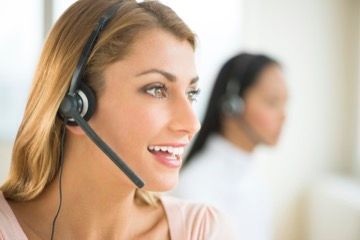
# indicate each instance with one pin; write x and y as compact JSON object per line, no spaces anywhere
{"x":193,"y":95}
{"x":154,"y":91}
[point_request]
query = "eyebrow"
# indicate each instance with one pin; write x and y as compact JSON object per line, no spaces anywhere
{"x":167,"y":75}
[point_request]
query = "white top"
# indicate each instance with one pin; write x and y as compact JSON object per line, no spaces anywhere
{"x":224,"y":176}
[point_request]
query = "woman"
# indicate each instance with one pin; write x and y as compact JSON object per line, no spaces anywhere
{"x":139,"y":63}
{"x":246,"y":109}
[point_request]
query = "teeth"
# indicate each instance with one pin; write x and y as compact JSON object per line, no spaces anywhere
{"x":169,"y":149}
{"x":180,"y":151}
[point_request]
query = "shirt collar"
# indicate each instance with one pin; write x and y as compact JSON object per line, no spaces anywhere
{"x":218,"y":145}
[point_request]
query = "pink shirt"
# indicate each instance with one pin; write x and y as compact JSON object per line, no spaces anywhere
{"x":187,"y":221}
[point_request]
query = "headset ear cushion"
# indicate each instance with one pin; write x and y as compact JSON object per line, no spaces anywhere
{"x":88,"y":99}
{"x":86,"y":102}
{"x":233,"y":105}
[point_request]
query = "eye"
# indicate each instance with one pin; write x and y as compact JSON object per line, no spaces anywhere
{"x":273,"y":102}
{"x":193,"y":95}
{"x":158,"y":91}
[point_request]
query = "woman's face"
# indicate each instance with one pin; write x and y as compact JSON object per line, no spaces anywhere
{"x":265,"y":105}
{"x":145,"y":111}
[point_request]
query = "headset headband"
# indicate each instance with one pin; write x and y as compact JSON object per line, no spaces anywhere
{"x":80,"y":67}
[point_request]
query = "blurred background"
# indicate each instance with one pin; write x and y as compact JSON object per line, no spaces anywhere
{"x":314,"y":173}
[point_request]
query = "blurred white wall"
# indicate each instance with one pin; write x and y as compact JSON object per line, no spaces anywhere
{"x":317,"y":43}
{"x":20,"y":43}
{"x":357,"y":106}
{"x":334,"y":210}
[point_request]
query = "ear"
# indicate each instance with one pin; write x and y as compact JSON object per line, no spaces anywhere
{"x":76,"y":130}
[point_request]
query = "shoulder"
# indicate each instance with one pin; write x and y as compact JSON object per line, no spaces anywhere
{"x":208,"y":162}
{"x":202,"y":168}
{"x":9,"y":226}
{"x":195,"y":221}
{"x":201,"y":173}
{"x":5,"y":215}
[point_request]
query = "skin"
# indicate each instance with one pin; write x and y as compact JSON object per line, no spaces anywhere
{"x":264,"y":114}
{"x":133,"y":112}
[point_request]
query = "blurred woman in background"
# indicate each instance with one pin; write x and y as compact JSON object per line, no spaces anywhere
{"x":246,"y":109}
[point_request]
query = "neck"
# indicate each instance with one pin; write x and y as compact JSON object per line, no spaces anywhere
{"x":236,"y":133}
{"x":96,"y":203}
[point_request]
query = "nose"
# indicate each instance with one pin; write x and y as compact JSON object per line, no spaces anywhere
{"x":184,"y":119}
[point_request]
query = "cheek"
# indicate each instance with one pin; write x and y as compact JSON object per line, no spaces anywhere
{"x":263,"y":118}
{"x":144,"y":122}
{"x":130,"y":124}
{"x":138,"y":123}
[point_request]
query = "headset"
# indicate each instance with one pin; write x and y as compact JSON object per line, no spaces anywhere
{"x":79,"y":103}
{"x":78,"y":106}
{"x":232,"y":104}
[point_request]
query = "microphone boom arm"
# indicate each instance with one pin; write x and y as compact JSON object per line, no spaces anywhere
{"x":107,"y":150}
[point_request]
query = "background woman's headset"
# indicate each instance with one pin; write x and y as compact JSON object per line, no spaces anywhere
{"x":232,"y":103}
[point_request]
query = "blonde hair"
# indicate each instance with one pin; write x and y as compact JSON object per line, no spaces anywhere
{"x":35,"y":157}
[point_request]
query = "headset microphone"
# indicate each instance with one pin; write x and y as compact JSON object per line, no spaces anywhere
{"x":79,"y":105}
{"x":69,"y":109}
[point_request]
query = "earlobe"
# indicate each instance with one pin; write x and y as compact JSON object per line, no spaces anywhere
{"x":76,"y":130}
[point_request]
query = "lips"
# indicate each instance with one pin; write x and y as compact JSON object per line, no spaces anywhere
{"x":168,"y":155}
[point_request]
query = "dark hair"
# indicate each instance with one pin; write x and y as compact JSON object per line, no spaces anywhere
{"x":243,"y":67}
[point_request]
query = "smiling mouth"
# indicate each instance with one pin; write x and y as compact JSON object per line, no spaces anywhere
{"x":169,"y":150}
{"x":167,"y":155}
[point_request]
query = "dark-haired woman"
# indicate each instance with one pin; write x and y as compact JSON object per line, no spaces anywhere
{"x":246,"y":109}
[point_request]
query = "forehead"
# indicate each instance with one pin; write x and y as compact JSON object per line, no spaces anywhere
{"x":272,"y":79}
{"x":157,"y":48}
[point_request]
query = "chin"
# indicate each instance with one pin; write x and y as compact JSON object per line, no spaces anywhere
{"x":164,"y":183}
{"x":269,"y":141}
{"x":272,"y":142}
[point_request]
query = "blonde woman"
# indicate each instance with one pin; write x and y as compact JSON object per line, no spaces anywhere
{"x":139,"y":64}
